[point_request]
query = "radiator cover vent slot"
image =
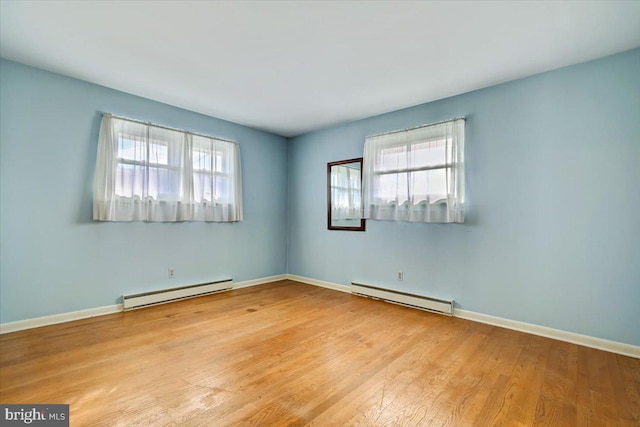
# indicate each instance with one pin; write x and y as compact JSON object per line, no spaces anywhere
{"x":130,"y":302}
{"x":435,"y":305}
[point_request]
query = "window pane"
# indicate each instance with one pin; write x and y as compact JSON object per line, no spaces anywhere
{"x":210,"y":187}
{"x":158,"y":153}
{"x":414,"y":156}
{"x":219,"y":166}
{"x":162,"y":183}
{"x":429,"y":153}
{"x":202,"y":188}
{"x":129,"y":180}
{"x":389,"y":188}
{"x":393,"y":158}
{"x":130,"y":148}
{"x":428,"y":185}
{"x":202,"y":160}
{"x":222,"y":188}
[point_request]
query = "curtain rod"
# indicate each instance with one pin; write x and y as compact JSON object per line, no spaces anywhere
{"x":167,"y":127}
{"x":416,"y":127}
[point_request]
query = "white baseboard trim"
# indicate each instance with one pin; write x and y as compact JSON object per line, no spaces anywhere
{"x":321,"y":283}
{"x":557,"y":334}
{"x":37,"y":322}
{"x":571,"y":337}
{"x":261,"y":281}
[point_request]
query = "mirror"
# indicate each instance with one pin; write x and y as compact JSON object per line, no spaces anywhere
{"x":344,"y":195}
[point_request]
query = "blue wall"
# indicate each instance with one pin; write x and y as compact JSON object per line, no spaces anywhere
{"x":552,"y":235}
{"x":55,"y":259}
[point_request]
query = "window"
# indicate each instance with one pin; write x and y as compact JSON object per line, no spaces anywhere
{"x":148,"y":172}
{"x":416,"y":175}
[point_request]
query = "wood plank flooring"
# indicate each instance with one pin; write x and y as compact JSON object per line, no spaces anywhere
{"x":290,"y":354}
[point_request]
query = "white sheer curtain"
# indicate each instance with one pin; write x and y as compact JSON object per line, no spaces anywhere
{"x":346,"y":195}
{"x":152,"y":173}
{"x":416,"y":175}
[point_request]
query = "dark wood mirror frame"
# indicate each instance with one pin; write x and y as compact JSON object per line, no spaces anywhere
{"x":361,"y":225}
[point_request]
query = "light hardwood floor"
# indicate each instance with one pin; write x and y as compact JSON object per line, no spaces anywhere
{"x":292,"y":354}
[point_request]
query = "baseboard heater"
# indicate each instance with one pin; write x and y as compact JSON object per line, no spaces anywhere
{"x":435,"y":305}
{"x":130,"y":302}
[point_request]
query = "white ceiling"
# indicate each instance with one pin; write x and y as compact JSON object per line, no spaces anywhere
{"x":293,"y":67}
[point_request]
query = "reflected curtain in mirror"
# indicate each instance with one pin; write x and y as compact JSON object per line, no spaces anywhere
{"x":344,"y":195}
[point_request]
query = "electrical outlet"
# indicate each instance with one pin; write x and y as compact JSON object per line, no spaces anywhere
{"x":172,"y":273}
{"x":400,"y":275}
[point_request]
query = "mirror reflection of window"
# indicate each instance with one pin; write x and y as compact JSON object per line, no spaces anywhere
{"x":346,"y":192}
{"x":344,"y":185}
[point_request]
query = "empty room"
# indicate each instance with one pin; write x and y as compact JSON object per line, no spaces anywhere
{"x":319,"y":213}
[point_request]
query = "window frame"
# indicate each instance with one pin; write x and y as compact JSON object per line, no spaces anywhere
{"x":408,"y":204}
{"x":162,"y":172}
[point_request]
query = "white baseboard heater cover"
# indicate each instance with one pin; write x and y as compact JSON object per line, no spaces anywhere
{"x":129,"y":302}
{"x":435,"y":305}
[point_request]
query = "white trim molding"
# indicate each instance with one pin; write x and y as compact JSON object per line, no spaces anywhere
{"x":261,"y":281}
{"x":557,"y":334}
{"x":321,"y":283}
{"x":37,"y":322}
{"x":571,"y":337}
